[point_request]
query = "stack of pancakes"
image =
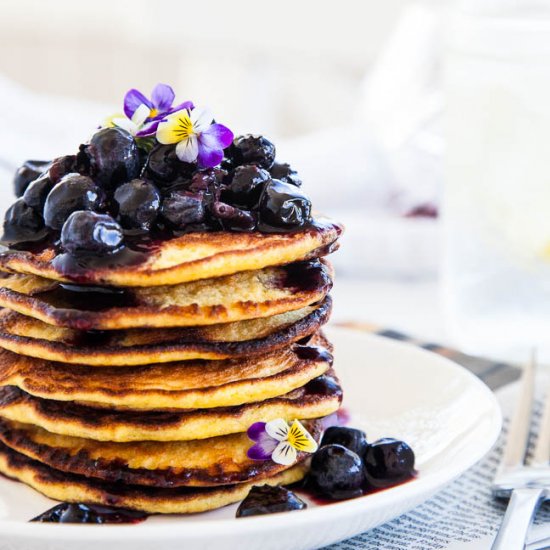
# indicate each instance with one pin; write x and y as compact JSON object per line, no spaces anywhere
{"x":133,"y":384}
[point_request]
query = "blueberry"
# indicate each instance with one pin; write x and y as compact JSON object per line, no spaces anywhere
{"x":22,"y":224}
{"x":62,"y":166}
{"x":233,"y":218}
{"x":388,"y":462}
{"x":253,"y":149}
{"x":112,"y":157}
{"x":74,"y":192}
{"x":282,"y":207}
{"x":350,"y":438}
{"x":203,"y":180}
{"x":283,"y":172}
{"x":36,"y":193}
{"x":181,"y":208}
{"x":68,"y":512}
{"x":138,"y":203}
{"x":336,"y":473}
{"x":269,"y":500}
{"x":162,"y":163}
{"x":87,"y":232}
{"x":26,"y":173}
{"x":247,"y":184}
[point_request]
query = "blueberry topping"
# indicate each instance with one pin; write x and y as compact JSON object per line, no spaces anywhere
{"x":37,"y":191}
{"x":247,"y":184}
{"x":269,"y":500}
{"x":233,"y":218}
{"x":336,"y":473}
{"x":22,"y":224}
{"x":283,"y":172}
{"x":253,"y":149}
{"x":162,"y":163}
{"x":90,"y":233}
{"x":89,"y":513}
{"x":181,"y":208}
{"x":74,"y":192}
{"x":62,"y":166}
{"x":112,"y":157}
{"x":388,"y":462}
{"x":203,"y":180}
{"x":26,"y":173}
{"x":350,"y":438}
{"x":283,"y":206}
{"x":138,"y":203}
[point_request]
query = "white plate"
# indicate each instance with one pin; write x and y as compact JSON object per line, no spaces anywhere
{"x":391,"y":389}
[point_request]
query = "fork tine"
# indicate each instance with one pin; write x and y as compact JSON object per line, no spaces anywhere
{"x":541,"y":454}
{"x":516,"y":444}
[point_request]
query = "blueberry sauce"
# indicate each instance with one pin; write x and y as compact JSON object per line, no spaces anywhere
{"x":89,"y":513}
{"x":313,"y":353}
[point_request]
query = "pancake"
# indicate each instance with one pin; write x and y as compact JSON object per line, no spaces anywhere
{"x":320,"y":397}
{"x":204,"y":462}
{"x":28,"y":336}
{"x":196,"y":384}
{"x":182,"y":500}
{"x":178,"y":260}
{"x":247,"y":295}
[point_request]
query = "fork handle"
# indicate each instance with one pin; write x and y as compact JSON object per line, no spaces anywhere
{"x":519,"y":514}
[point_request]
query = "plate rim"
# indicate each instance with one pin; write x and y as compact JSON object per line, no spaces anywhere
{"x":249,"y":526}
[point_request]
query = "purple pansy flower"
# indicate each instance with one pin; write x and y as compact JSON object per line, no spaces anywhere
{"x":279,"y":441}
{"x":160,"y":105}
{"x":197,"y":137}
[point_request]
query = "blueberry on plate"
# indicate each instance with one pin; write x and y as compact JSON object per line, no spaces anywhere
{"x":388,"y":462}
{"x":74,"y":192}
{"x":112,"y":157}
{"x":350,"y":438}
{"x":253,"y":149}
{"x":181,"y":208}
{"x":68,"y":512}
{"x":269,"y":500}
{"x":282,"y":171}
{"x":233,"y":218}
{"x":22,"y":224}
{"x":89,"y":233}
{"x":247,"y":184}
{"x":283,"y":207}
{"x":28,"y":172}
{"x":138,"y":203}
{"x":37,"y":191}
{"x":336,"y":473}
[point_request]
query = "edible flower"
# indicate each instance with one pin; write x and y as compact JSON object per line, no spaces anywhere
{"x":197,"y":136}
{"x":151,"y":111}
{"x":132,"y":125}
{"x":279,"y":441}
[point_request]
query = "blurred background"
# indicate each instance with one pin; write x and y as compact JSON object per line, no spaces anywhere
{"x":354,"y":96}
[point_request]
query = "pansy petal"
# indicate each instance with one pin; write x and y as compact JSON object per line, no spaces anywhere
{"x":125,"y":124}
{"x":217,"y":136}
{"x":189,"y":105}
{"x":149,"y":129}
{"x":209,"y":157}
{"x":284,"y":454}
{"x":202,"y":119}
{"x":141,"y":114}
{"x":170,"y":129}
{"x":256,"y":430}
{"x":132,"y":100}
{"x":301,"y":439}
{"x":262,"y":450}
{"x":187,"y":150}
{"x":277,"y":429}
{"x":162,"y":96}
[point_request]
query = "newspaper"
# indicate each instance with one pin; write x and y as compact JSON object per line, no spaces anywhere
{"x":464,"y":516}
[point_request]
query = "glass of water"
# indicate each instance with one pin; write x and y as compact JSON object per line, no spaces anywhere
{"x":496,"y":210}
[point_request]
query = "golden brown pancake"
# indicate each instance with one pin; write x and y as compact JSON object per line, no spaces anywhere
{"x":200,"y":463}
{"x":188,"y":258}
{"x":320,"y":397}
{"x":198,"y":384}
{"x":247,"y":295}
{"x":181,"y":500}
{"x":28,"y":336}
